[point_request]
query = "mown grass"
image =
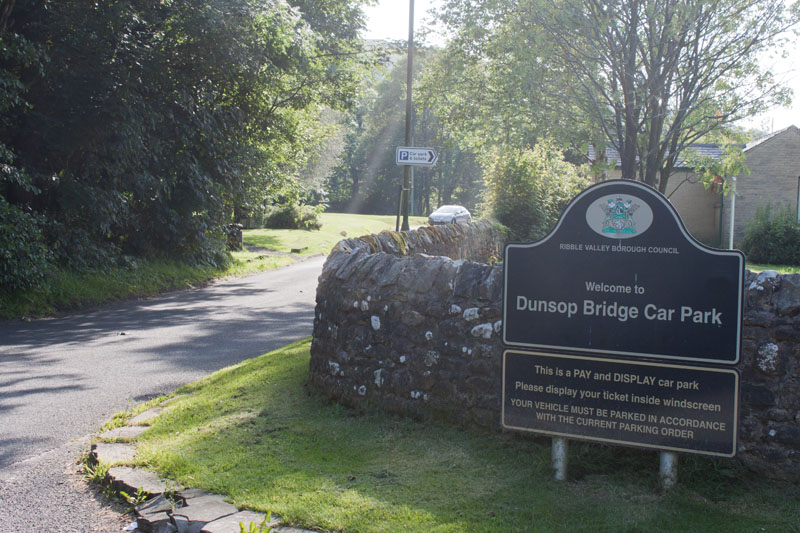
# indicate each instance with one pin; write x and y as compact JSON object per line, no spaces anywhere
{"x":255,"y":433}
{"x":322,"y":240}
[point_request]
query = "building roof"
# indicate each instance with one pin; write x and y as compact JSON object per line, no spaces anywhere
{"x":703,"y":150}
{"x":714,"y":151}
{"x":762,"y":140}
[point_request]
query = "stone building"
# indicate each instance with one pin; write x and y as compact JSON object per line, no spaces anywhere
{"x":774,"y":164}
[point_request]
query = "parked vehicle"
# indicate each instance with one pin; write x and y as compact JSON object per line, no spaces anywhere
{"x":450,"y":214}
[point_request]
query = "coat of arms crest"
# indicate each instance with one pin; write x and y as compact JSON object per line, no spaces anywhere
{"x":619,"y":215}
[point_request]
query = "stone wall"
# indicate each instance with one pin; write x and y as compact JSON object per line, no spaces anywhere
{"x":420,"y":335}
{"x":770,"y":367}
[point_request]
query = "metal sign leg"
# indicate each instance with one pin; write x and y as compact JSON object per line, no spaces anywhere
{"x":560,"y":458}
{"x":668,"y":469}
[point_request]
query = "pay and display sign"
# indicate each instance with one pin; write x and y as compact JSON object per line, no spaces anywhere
{"x":665,"y":406}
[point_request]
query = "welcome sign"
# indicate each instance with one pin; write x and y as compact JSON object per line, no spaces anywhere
{"x":608,"y":311}
{"x":620,"y":275}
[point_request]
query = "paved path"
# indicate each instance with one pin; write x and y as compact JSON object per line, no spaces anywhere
{"x":61,"y":379}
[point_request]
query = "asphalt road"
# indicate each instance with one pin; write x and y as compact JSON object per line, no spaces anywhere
{"x":62,"y":378}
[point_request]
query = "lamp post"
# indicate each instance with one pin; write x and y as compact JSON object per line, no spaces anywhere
{"x":409,"y":110}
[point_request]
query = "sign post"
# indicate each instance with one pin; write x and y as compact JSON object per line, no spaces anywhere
{"x":623,"y":329}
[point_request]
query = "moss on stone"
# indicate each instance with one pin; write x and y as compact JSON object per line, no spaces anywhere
{"x":372,"y":241}
{"x":400,"y":240}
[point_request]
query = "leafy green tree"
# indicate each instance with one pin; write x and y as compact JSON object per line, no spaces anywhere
{"x":649,"y":77}
{"x":150,"y":125}
{"x":526,"y":190}
{"x":367,"y":178}
{"x":494,"y":81}
{"x":658,"y":75}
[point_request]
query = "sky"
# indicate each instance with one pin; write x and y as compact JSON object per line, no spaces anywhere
{"x":388,"y":19}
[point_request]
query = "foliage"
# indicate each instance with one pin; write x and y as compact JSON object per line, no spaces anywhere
{"x":526,"y":190}
{"x":96,"y":474}
{"x":656,"y":76}
{"x":293,"y":216}
{"x":143,"y":128}
{"x":141,"y":496}
{"x":367,"y":179}
{"x":131,"y":277}
{"x":772,"y":237}
{"x":495,"y":81}
{"x":648,"y":77}
{"x":24,"y":257}
{"x":717,"y":173}
{"x":67,"y":289}
{"x":262,"y":527}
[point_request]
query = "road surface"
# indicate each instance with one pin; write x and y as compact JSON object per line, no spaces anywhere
{"x":62,"y":378}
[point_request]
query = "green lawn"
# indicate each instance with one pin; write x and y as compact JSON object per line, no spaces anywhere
{"x":322,"y":240}
{"x":256,"y":433}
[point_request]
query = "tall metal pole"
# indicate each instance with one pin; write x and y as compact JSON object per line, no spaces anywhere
{"x":409,"y":110}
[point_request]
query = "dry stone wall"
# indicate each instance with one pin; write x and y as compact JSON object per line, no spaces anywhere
{"x":411,"y":323}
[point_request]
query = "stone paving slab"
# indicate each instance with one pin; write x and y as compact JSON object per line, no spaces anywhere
{"x":206,"y":509}
{"x":145,"y":417}
{"x":131,"y":480}
{"x":189,"y":494}
{"x":154,"y":505}
{"x":123,"y":433}
{"x":230,"y":523}
{"x":200,"y":511}
{"x":152,"y":522}
{"x":113,"y":453}
{"x":197,"y":511}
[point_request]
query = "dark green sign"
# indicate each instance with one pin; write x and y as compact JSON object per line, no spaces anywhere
{"x":653,"y":405}
{"x":620,"y":276}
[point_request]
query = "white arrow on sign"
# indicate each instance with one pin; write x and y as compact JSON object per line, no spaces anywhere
{"x":423,"y":157}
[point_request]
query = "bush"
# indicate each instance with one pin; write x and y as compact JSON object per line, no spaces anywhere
{"x":24,"y":257}
{"x":526,"y":190}
{"x":772,"y":237}
{"x":293,"y":216}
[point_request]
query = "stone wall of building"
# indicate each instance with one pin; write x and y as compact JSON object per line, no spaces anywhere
{"x":774,"y":178}
{"x":421,"y":335}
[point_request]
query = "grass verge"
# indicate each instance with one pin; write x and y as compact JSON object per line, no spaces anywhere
{"x":322,"y":240}
{"x":68,"y":290}
{"x":255,"y":433}
{"x":783,"y":269}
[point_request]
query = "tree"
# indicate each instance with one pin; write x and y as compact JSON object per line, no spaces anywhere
{"x":152,"y":124}
{"x":657,"y":75}
{"x":367,"y":178}
{"x":493,"y":83}
{"x":526,"y":190}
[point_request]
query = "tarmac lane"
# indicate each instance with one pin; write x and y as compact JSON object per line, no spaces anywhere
{"x":62,"y":378}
